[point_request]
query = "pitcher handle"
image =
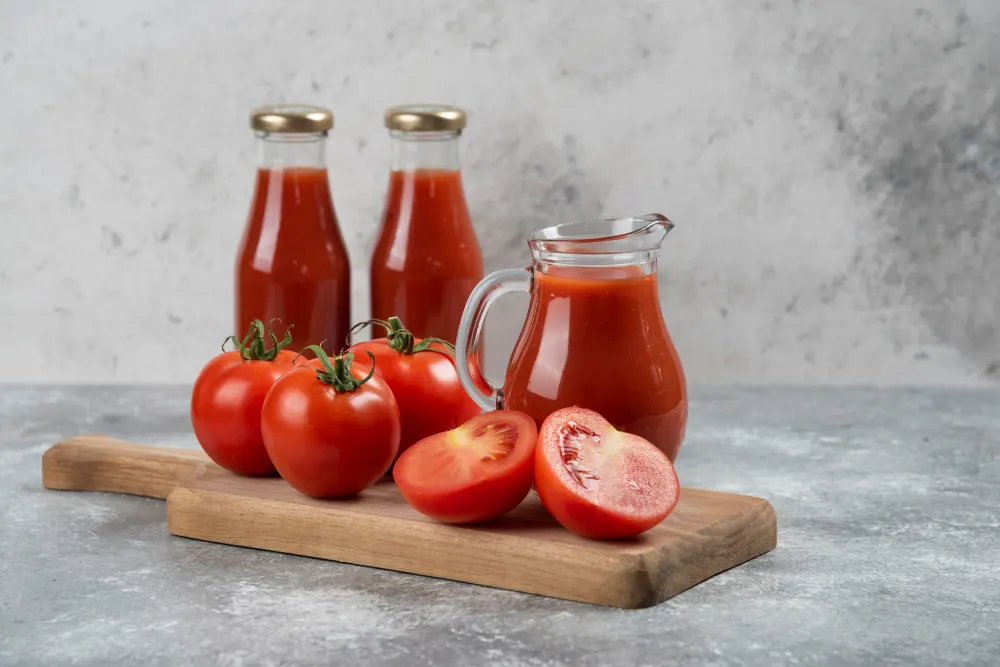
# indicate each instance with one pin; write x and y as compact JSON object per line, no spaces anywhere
{"x":489,"y":289}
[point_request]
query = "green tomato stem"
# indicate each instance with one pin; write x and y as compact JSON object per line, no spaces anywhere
{"x":402,"y":340}
{"x":253,"y":346}
{"x":337,"y":372}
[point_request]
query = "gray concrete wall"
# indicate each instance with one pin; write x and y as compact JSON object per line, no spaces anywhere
{"x":833,"y":167}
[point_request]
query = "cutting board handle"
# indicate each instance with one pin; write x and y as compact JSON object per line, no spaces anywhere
{"x":96,"y":463}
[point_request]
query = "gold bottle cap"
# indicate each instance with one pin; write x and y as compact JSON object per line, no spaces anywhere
{"x":425,"y":118}
{"x":291,"y":118}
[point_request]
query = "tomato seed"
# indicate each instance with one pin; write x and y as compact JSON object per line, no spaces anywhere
{"x":571,"y":435}
{"x":502,"y":438}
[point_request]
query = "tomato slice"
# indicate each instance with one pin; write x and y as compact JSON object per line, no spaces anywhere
{"x":472,"y":473}
{"x":600,"y":482}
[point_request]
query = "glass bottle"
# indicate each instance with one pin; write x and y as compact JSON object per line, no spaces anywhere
{"x":427,"y":259}
{"x":292,"y":263}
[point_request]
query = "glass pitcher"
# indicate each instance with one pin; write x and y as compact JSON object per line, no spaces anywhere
{"x":594,"y":336}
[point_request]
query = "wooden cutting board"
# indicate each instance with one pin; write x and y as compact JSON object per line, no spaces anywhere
{"x":526,"y":550}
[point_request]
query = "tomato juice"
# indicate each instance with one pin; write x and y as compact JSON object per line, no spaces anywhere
{"x":427,"y":260}
{"x":292,"y":262}
{"x":595,"y":339}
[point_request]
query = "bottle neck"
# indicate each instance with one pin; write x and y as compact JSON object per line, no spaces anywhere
{"x":281,"y":150}
{"x":424,"y":150}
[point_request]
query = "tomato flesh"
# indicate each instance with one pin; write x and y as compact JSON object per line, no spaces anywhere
{"x":472,"y":473}
{"x":600,"y":482}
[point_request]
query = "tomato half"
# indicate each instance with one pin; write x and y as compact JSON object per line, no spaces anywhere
{"x":600,"y":482}
{"x":423,"y":379}
{"x":472,"y":473}
{"x":227,"y":398}
{"x":330,"y":431}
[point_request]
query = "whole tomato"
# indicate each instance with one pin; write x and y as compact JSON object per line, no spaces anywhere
{"x":422,"y":376}
{"x":227,"y":398}
{"x":330,"y":428}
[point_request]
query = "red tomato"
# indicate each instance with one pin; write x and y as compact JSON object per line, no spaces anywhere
{"x":422,"y":376}
{"x":227,"y":398}
{"x":599,"y":482}
{"x":330,"y":428}
{"x":473,"y":473}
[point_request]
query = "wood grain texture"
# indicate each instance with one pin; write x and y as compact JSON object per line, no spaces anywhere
{"x":96,"y":463}
{"x":525,"y":550}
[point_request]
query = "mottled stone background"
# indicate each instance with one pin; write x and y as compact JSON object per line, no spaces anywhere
{"x":833,"y":167}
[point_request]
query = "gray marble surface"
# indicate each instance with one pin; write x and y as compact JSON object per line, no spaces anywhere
{"x":888,"y":553}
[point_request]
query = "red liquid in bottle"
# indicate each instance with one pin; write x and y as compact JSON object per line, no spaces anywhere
{"x":427,"y":260}
{"x":292,"y":263}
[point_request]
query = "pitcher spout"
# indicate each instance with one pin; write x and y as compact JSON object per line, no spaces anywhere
{"x":654,"y":231}
{"x":616,"y":239}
